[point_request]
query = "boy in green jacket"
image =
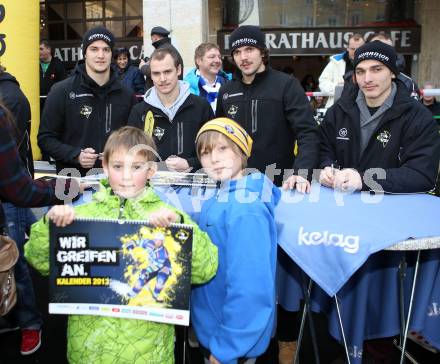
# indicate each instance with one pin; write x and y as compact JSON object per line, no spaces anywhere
{"x":128,"y":163}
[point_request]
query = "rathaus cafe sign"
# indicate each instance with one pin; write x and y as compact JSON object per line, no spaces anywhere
{"x":324,"y":41}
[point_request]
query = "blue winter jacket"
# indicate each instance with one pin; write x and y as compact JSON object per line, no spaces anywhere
{"x":132,"y":78}
{"x":234,"y":313}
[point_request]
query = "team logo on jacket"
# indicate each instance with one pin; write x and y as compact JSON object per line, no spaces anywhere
{"x":232,"y":111}
{"x":384,"y":137}
{"x":342,"y":134}
{"x":86,"y":111}
{"x":72,"y":95}
{"x":182,"y":236}
{"x":158,"y":132}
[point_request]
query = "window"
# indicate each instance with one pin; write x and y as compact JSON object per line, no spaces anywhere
{"x":355,"y":19}
{"x":332,"y":21}
{"x":69,"y":19}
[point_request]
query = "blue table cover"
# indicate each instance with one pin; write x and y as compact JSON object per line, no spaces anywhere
{"x":337,"y":239}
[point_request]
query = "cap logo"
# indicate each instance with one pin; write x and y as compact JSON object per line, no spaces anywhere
{"x":229,"y":129}
{"x":238,"y":42}
{"x":98,"y":36}
{"x":376,"y":55}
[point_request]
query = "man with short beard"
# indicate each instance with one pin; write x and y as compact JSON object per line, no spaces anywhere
{"x":83,"y":110}
{"x":207,"y":77}
{"x":273,"y":109}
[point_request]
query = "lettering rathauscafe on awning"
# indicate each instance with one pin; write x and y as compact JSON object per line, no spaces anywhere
{"x":324,"y":41}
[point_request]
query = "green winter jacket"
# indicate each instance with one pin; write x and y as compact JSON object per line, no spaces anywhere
{"x":106,"y":340}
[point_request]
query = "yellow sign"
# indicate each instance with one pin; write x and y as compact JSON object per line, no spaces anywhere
{"x":19,"y":53}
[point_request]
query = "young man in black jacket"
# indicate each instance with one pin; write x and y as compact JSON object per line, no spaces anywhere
{"x":273,"y":109}
{"x":377,"y":137}
{"x":170,"y":113}
{"x":82,"y":111}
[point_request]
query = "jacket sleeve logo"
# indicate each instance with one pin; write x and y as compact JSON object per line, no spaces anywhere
{"x":86,"y":111}
{"x":158,"y":132}
{"x":342,"y":134}
{"x":384,"y":138}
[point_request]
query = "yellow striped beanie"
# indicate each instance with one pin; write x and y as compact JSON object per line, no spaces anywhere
{"x":231,"y":130}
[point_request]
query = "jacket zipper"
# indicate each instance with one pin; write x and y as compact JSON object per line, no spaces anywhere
{"x":254,"y":116}
{"x":121,"y":208}
{"x":108,"y":118}
{"x":179,"y":138}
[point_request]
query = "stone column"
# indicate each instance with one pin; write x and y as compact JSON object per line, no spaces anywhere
{"x":187,"y":21}
{"x":427,"y":15}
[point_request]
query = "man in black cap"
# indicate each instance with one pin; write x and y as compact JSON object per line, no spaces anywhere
{"x":376,"y":137}
{"x":159,"y":39}
{"x":83,"y":110}
{"x":273,"y":109}
{"x":378,"y":125}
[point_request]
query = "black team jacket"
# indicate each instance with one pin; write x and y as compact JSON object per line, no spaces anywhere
{"x":275,"y":112}
{"x":405,"y":144}
{"x":80,"y":114}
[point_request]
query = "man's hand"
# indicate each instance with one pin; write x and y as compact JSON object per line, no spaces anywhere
{"x":348,"y":180}
{"x":163,"y":218}
{"x":87,"y":158}
{"x":300,"y":183}
{"x":327,"y":176}
{"x":177,"y":164}
{"x":61,"y":215}
{"x":213,"y":360}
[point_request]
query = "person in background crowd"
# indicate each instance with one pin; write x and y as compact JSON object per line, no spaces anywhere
{"x":339,"y":67}
{"x":159,"y":39}
{"x":308,"y":83}
{"x":170,"y":113}
{"x":16,"y":101}
{"x":409,"y":83}
{"x":207,"y":77}
{"x":430,"y":101}
{"x":434,"y":106}
{"x":51,"y":71}
{"x":318,"y":105}
{"x":83,"y":110}
{"x":18,"y":192}
{"x":129,"y":75}
{"x":385,"y":37}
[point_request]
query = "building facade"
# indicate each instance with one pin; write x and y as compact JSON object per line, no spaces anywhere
{"x":301,"y":34}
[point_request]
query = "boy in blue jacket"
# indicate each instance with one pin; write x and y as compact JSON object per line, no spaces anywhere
{"x":233,"y":315}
